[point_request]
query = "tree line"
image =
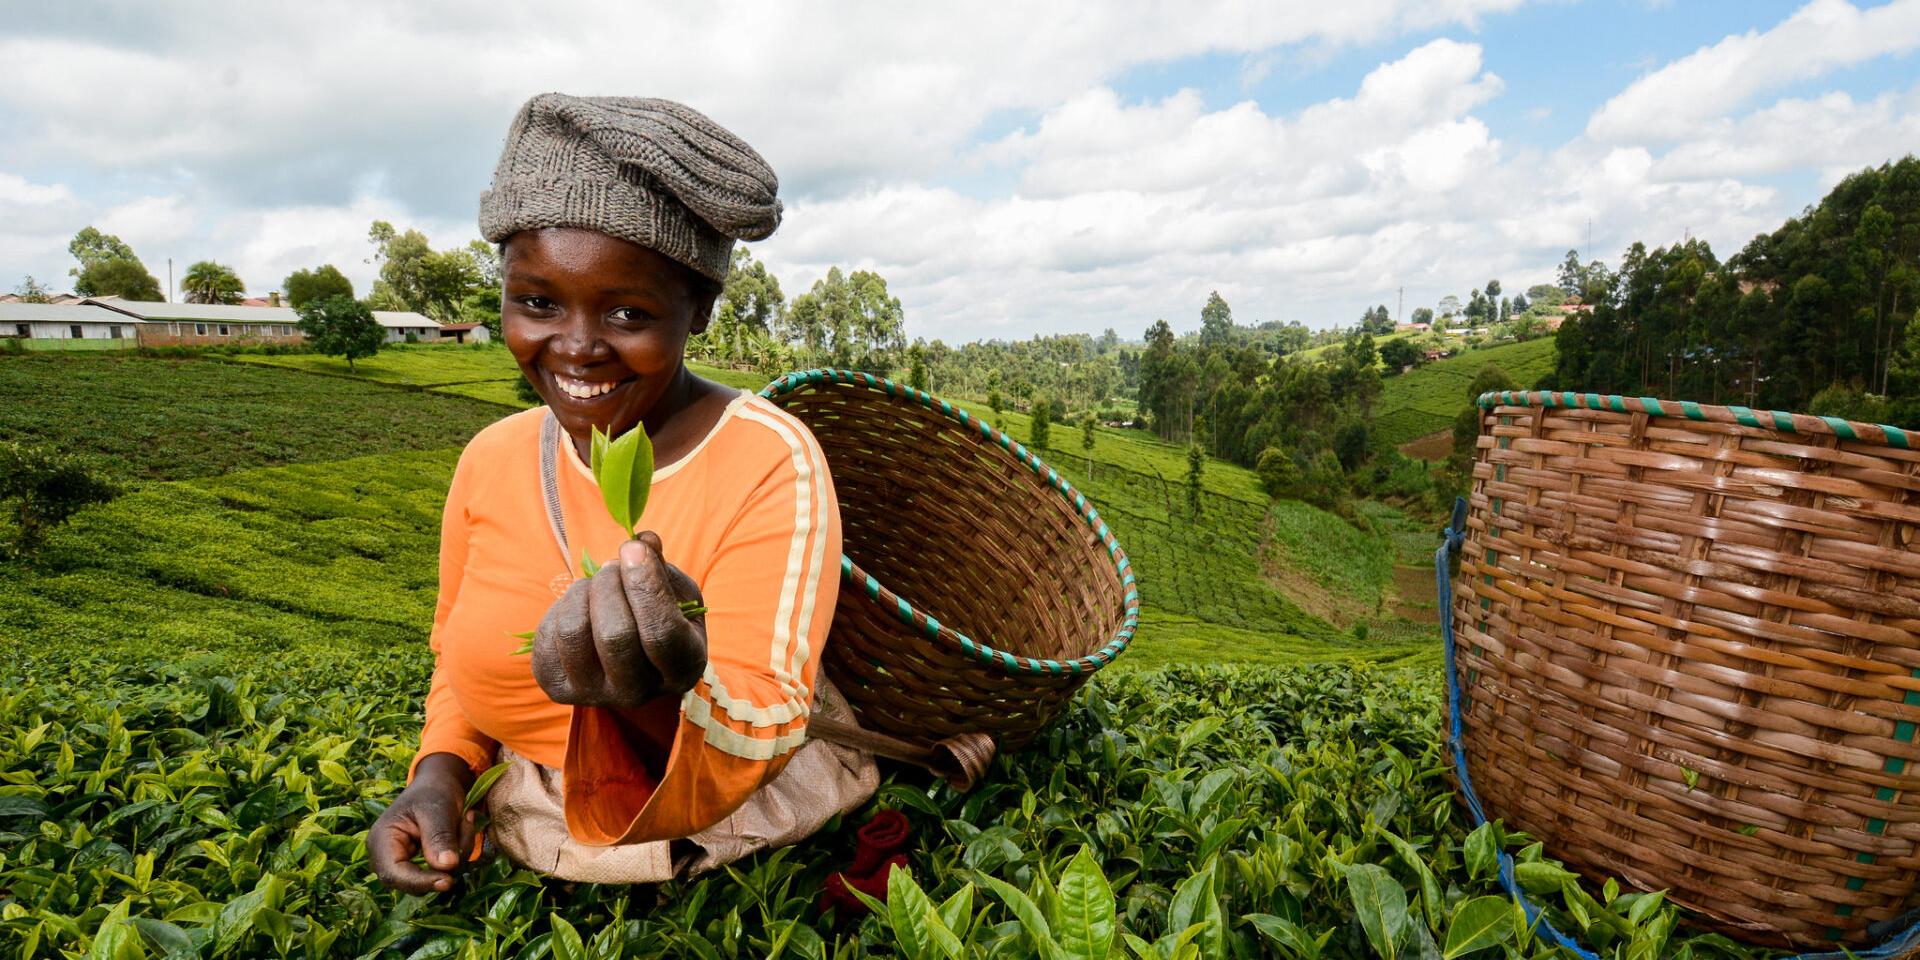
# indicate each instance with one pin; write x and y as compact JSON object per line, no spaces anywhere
{"x":1818,"y":315}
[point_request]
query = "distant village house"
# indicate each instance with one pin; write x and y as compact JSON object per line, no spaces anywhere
{"x":198,"y":324}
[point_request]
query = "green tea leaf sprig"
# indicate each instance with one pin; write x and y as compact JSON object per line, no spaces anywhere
{"x":623,"y":468}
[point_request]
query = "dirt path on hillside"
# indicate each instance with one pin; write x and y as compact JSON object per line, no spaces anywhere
{"x":1413,"y":594}
{"x":1433,"y":447}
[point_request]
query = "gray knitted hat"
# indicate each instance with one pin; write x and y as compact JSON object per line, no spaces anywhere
{"x":655,"y":172}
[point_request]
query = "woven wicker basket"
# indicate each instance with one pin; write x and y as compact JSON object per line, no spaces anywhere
{"x":980,"y":590}
{"x":1686,"y":653}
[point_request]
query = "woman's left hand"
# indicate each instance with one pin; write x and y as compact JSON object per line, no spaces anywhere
{"x":618,"y":638}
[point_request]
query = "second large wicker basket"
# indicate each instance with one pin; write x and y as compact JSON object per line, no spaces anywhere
{"x":1686,"y":654}
{"x":980,"y":590}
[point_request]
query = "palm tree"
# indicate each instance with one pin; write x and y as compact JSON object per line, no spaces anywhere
{"x":210,"y":282}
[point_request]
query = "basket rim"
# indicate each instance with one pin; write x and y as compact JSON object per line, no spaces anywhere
{"x":1780,"y":420}
{"x":933,"y":628}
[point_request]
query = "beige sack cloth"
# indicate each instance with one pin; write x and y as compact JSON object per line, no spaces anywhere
{"x":821,"y":780}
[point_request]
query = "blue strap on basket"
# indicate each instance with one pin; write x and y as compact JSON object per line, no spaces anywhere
{"x":1897,"y":944}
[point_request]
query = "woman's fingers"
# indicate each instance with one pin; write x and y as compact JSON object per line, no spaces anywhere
{"x":564,"y":662}
{"x":674,"y":646}
{"x":628,"y":678}
{"x":391,"y":844}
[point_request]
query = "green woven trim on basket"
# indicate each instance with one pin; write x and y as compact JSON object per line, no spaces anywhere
{"x":1903,"y":731}
{"x":1780,"y":420}
{"x":1122,"y":637}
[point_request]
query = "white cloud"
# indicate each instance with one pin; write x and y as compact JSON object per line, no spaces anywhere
{"x":1669,"y":103}
{"x":1832,"y":133}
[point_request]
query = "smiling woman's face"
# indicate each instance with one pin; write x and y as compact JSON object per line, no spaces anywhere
{"x":597,"y":324}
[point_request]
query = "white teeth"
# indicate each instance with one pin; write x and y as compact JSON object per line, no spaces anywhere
{"x":581,"y":389}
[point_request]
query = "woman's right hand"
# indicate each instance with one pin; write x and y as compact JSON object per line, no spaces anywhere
{"x":426,"y":820}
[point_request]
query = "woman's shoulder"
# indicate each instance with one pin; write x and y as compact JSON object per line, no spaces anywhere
{"x":759,"y":438}
{"x":513,"y":434}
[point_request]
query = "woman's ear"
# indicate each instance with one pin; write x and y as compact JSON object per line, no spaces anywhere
{"x":701,"y":317}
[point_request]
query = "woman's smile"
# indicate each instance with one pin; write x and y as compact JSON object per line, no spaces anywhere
{"x":590,"y":390}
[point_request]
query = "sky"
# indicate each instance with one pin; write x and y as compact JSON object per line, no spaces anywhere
{"x":1011,"y":169}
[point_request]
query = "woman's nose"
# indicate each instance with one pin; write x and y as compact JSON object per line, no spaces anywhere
{"x":582,"y":339}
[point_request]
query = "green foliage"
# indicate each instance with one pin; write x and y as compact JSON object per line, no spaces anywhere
{"x":414,"y":276}
{"x":1826,"y":298}
{"x":338,"y":326}
{"x":847,"y":320}
{"x":304,"y":286}
{"x":32,"y":291}
{"x":1430,"y":398}
{"x":42,"y":488}
{"x":151,"y":419}
{"x":1196,"y":465}
{"x":1040,"y":423}
{"x":1399,"y":353}
{"x":1848,"y":402}
{"x":1278,"y":473}
{"x":208,"y":282}
{"x":108,"y":268}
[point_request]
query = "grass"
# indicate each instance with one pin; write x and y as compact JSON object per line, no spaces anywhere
{"x":156,"y":419}
{"x":1428,"y":398}
{"x":409,"y":364}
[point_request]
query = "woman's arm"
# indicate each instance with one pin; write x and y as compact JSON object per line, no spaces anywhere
{"x":447,"y":729}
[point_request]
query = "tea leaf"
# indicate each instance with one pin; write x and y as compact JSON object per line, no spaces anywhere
{"x":909,"y":910}
{"x":483,"y":783}
{"x":1293,"y":938}
{"x":587,"y":566}
{"x":1032,"y":921}
{"x":1379,"y":905}
{"x":1086,"y":909}
{"x":1479,"y":923}
{"x":625,"y":476}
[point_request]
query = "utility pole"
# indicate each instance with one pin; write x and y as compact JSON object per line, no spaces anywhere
{"x":1400,"y":314}
{"x":1589,"y":238}
{"x":169,"y":279}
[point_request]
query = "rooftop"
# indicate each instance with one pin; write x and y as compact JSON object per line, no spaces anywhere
{"x":58,"y":313}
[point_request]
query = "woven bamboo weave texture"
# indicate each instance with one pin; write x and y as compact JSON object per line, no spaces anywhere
{"x":981,"y":590}
{"x":1688,"y":654}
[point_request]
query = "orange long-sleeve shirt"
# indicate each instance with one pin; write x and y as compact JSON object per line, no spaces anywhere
{"x":749,"y":514}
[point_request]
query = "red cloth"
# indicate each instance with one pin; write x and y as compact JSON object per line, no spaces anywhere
{"x":881,"y":838}
{"x":878,"y":848}
{"x":845,"y":905}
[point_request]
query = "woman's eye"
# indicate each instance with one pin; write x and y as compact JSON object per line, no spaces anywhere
{"x":536,"y":303}
{"x":630,"y":315}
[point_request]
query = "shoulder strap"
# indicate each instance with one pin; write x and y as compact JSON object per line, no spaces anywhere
{"x":550,"y":485}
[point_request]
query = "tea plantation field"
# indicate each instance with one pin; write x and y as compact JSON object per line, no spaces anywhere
{"x":215,"y":688}
{"x":1428,"y":398}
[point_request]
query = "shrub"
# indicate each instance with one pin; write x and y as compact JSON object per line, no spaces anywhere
{"x":45,"y":488}
{"x":1042,"y":422}
{"x":1848,"y":402}
{"x":1279,"y":475}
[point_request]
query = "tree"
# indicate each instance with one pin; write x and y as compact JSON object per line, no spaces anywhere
{"x":1196,"y":463}
{"x":996,"y":403}
{"x":116,"y":277}
{"x":209,"y":282}
{"x":1449,"y":306}
{"x":1216,"y":322}
{"x":30,"y":291}
{"x":1086,"y":438}
{"x":90,"y":246}
{"x":1279,"y":475}
{"x":108,"y":268}
{"x":1041,"y":421}
{"x":849,"y":320}
{"x":1423,"y":315}
{"x":413,"y":276}
{"x":1376,"y":320}
{"x":1493,"y":289}
{"x":1399,"y":354}
{"x":917,"y":367}
{"x":341,"y":326}
{"x":326,"y":280}
{"x":1573,"y":276}
{"x":752,"y":295}
{"x":47,"y":487}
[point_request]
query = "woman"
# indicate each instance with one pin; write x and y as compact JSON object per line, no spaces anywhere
{"x":642,"y":743}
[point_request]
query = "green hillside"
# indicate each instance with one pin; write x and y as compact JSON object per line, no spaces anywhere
{"x":1429,"y":397}
{"x":483,"y":371}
